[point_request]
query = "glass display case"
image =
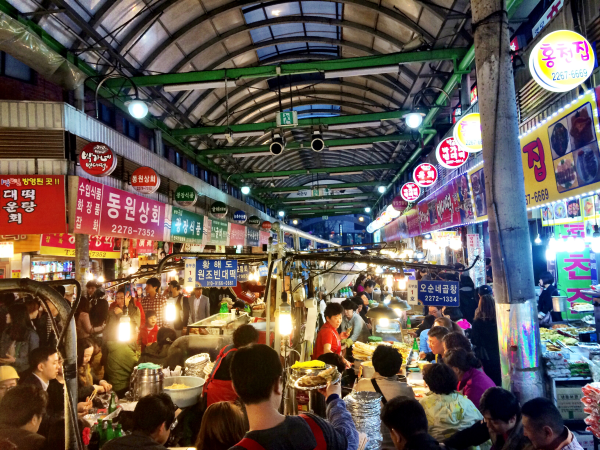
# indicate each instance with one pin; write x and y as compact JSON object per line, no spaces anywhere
{"x":222,"y":323}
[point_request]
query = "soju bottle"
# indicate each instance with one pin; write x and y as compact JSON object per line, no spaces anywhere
{"x":119,"y":431}
{"x":415,"y":347}
{"x":110,"y":432}
{"x":112,"y":406}
{"x":408,"y":324}
{"x":102,"y":427}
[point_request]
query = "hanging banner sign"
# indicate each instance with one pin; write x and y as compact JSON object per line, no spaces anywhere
{"x":252,"y":237}
{"x":396,"y":230}
{"x":561,"y":61}
{"x":97,"y":159}
{"x":214,"y":272}
{"x":96,"y":209}
{"x":218,"y":210}
{"x":219,"y":230}
{"x":62,"y":244}
{"x":145,"y":180}
{"x":412,"y":222}
{"x":266,"y":225}
{"x":186,"y":195}
{"x":144,"y":246}
{"x":206,"y":227}
{"x":548,"y":15}
{"x":561,"y":157}
{"x":186,"y":226}
{"x":32,"y":204}
{"x":477,"y":185}
{"x":254,"y":221}
{"x":425,"y":175}
{"x":240,"y":216}
{"x":410,"y":192}
{"x":243,"y":272}
{"x":237,"y":234}
{"x":438,"y":293}
{"x":399,"y":204}
{"x":467,"y":133}
{"x":450,"y":155}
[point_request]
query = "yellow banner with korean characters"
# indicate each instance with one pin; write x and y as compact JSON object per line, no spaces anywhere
{"x":561,"y":158}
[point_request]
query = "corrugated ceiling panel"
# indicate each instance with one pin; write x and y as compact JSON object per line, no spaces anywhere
{"x":360,"y":15}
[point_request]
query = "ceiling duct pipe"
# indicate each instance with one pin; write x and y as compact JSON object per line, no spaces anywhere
{"x":21,"y":43}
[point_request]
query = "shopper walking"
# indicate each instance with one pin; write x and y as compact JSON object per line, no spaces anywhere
{"x":199,"y":305}
{"x":484,"y":335}
{"x":182,"y":306}
{"x":154,"y":300}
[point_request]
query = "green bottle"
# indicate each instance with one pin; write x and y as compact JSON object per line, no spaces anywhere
{"x":415,"y":346}
{"x":408,"y":324}
{"x":119,"y":431}
{"x":224,"y":308}
{"x":110,"y":432}
{"x":112,"y":406}
{"x":102,"y":432}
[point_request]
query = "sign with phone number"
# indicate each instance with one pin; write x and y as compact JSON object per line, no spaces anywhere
{"x":438,"y":293}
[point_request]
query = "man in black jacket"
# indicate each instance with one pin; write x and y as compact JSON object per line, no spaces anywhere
{"x":502,"y":424}
{"x":182,"y":306}
{"x":407,"y":422}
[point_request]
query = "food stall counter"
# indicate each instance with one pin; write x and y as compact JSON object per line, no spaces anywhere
{"x":222,"y":323}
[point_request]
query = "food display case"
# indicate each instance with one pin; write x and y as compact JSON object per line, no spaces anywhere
{"x":221,"y":324}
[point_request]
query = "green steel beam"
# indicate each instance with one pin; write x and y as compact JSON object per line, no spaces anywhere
{"x":451,"y":84}
{"x":264,"y":126}
{"x":299,"y":145}
{"x":330,"y":170}
{"x":295,"y":68}
{"x":282,"y":201}
{"x":332,"y":186}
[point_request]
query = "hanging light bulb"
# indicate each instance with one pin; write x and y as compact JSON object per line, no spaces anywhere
{"x":537,"y":240}
{"x":455,"y":244}
{"x":173,"y":273}
{"x":410,"y":253}
{"x":245,"y":190}
{"x":100,"y":279}
{"x":596,"y":245}
{"x":89,"y":276}
{"x":124,"y":329}
{"x":402,"y":283}
{"x":551,"y":254}
{"x":378,"y":270}
{"x":384,"y":322}
{"x":285,"y":316}
{"x":578,"y":245}
{"x":189,"y":288}
{"x":170,"y":311}
{"x":131,"y":270}
{"x":552,"y":243}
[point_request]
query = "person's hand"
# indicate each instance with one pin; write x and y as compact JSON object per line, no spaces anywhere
{"x":99,"y":389}
{"x":118,"y":311}
{"x":333,"y":389}
{"x":127,"y":298}
{"x":84,"y":407}
{"x":348,"y":363}
{"x":106,"y":385}
{"x":344,"y":335}
{"x":422,"y":355}
{"x":369,"y":326}
{"x":412,"y":334}
{"x":8,"y":359}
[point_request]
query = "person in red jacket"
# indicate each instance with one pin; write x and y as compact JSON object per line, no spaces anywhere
{"x":148,"y":331}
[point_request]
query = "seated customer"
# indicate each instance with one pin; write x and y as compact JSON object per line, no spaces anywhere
{"x":151,"y":430}
{"x":256,"y":373}
{"x":407,"y":424}
{"x":425,"y":326}
{"x":456,"y":340}
{"x":218,"y":386}
{"x":544,"y":426}
{"x":386,"y":362}
{"x":21,"y":413}
{"x":472,"y":381}
{"x":8,"y":379}
{"x":447,"y":410}
{"x":354,"y":323}
{"x":435,"y":340}
{"x":447,"y":323}
{"x":160,"y":352}
{"x":121,"y":358}
{"x":85,"y":381}
{"x":501,"y":424}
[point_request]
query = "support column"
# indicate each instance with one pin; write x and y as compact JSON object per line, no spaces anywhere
{"x":82,"y":258}
{"x":518,"y":330}
{"x":80,"y":97}
{"x":158,"y":142}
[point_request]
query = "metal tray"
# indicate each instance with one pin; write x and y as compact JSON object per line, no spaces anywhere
{"x":335,"y":380}
{"x":296,"y":374}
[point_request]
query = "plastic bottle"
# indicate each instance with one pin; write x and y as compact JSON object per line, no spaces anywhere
{"x":408,"y":324}
{"x":112,"y":405}
{"x":110,"y":432}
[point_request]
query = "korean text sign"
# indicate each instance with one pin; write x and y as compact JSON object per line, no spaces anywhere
{"x":237,"y":234}
{"x":102,"y":247}
{"x":243,"y":273}
{"x":216,"y":272}
{"x":108,"y":211}
{"x":219,"y":232}
{"x":438,"y":293}
{"x":186,"y":226}
{"x":32,"y":204}
{"x":561,"y":157}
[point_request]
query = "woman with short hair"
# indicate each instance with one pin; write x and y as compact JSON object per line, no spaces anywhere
{"x":472,"y":380}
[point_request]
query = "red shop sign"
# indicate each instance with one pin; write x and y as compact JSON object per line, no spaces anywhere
{"x":237,"y":234}
{"x":32,"y":204}
{"x":410,"y":192}
{"x":450,"y":155}
{"x":425,"y":174}
{"x":145,"y":180}
{"x":108,"y":211}
{"x":97,"y":159}
{"x":399,"y":204}
{"x":267,"y":225}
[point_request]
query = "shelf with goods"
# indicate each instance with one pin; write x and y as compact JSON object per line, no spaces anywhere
{"x":48,"y":270}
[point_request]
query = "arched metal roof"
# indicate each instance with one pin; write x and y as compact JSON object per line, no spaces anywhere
{"x":149,"y":37}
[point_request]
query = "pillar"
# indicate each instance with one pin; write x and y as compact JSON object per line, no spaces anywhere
{"x":465,"y":92}
{"x":82,"y":258}
{"x":518,"y":331}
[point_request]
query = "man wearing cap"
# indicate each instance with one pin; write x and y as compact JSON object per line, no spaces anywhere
{"x":8,"y":379}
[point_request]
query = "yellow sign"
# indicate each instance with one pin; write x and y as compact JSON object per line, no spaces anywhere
{"x":467,"y":133}
{"x":477,"y":186}
{"x":561,"y":160}
{"x":561,"y":61}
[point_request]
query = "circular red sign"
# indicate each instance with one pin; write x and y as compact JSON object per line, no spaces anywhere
{"x":267,"y":225}
{"x":450,"y":155}
{"x":97,"y":159}
{"x":145,"y":180}
{"x":399,"y":204}
{"x":425,"y":174}
{"x":410,"y":192}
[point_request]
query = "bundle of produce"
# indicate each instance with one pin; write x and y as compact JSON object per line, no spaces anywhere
{"x":591,"y":402}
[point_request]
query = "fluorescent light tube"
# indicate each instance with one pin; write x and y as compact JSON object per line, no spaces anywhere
{"x":361,"y":72}
{"x":346,"y":126}
{"x":359,"y":172}
{"x":250,"y":155}
{"x":350,"y":147}
{"x":199,"y":86}
{"x":284,"y":177}
{"x":241,"y":134}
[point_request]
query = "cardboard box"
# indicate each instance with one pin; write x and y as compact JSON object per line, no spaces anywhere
{"x":568,"y":402}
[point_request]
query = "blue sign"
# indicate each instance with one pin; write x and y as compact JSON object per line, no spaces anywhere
{"x":216,"y":272}
{"x":252,"y":237}
{"x":438,"y":293}
{"x":240,"y":217}
{"x":243,"y":272}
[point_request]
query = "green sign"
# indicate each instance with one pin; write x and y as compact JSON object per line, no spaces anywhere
{"x":186,"y":195}
{"x":219,"y":232}
{"x":287,"y":119}
{"x":186,"y":226}
{"x":218,"y":209}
